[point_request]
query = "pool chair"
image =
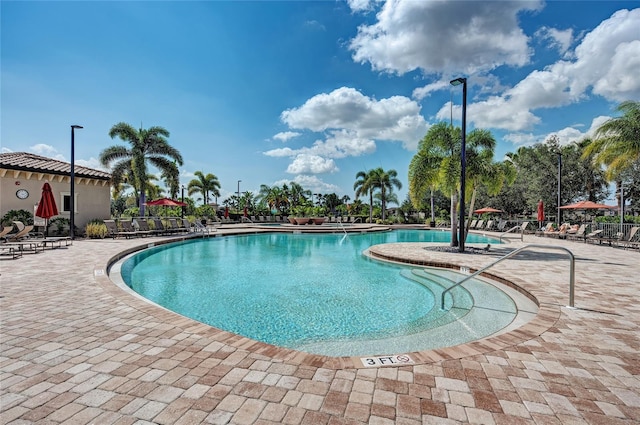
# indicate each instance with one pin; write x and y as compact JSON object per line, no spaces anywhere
{"x":594,"y":236}
{"x":473,"y":224}
{"x":127,"y":226}
{"x":22,"y":233}
{"x":5,"y":231}
{"x":159,"y":227}
{"x":578,"y":234}
{"x":143,"y":226}
{"x":114,"y":231}
{"x":633,"y":241}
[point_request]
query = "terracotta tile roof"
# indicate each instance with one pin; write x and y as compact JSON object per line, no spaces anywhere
{"x":30,"y":162}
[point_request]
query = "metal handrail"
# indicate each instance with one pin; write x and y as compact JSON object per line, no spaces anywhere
{"x":572,"y":261}
{"x":520,"y":226}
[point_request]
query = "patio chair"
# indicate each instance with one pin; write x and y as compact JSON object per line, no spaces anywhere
{"x":594,"y":236}
{"x":159,"y":227}
{"x":479,"y":225}
{"x":187,"y":225}
{"x":489,"y":225}
{"x":633,"y":241}
{"x":579,"y":234}
{"x":22,"y":233}
{"x":473,"y":224}
{"x":5,"y":230}
{"x":142,"y":226}
{"x":127,"y":226}
{"x":175,"y":227}
{"x":501,"y":225}
{"x":114,"y":231}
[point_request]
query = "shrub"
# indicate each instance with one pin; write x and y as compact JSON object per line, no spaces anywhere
{"x":59,"y":223}
{"x":17,"y":215}
{"x":96,"y":230}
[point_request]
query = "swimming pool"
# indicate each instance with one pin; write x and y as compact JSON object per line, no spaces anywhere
{"x":315,"y":293}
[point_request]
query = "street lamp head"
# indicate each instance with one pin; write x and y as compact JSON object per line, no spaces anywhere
{"x":458,"y":81}
{"x":77,"y":126}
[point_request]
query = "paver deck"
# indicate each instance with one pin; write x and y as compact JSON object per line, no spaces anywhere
{"x":77,"y":349}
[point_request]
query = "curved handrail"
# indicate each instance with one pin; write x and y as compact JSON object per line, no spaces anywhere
{"x":572,"y":261}
{"x":518,"y":227}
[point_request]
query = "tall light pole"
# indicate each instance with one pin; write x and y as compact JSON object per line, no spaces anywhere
{"x":182,"y":212}
{"x":73,"y":184}
{"x":239,"y":194}
{"x":559,"y":187}
{"x":463,"y":158}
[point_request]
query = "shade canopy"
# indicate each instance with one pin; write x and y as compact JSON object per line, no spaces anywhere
{"x":585,"y":205}
{"x":47,"y":206}
{"x":540,"y":211}
{"x":487,"y":210}
{"x":166,"y":202}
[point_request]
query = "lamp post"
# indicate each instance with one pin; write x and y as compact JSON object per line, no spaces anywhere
{"x":559,"y":187}
{"x":182,"y":212}
{"x":73,"y":184}
{"x":463,"y":157}
{"x":239,"y":194}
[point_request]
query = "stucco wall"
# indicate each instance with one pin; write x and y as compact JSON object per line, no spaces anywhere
{"x":92,"y":196}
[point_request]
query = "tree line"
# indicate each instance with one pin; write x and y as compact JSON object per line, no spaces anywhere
{"x":514,"y":184}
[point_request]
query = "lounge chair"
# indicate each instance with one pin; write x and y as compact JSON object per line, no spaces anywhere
{"x":22,"y":233}
{"x":479,"y":225}
{"x":175,"y":227}
{"x":159,"y":227}
{"x":473,"y":224}
{"x":114,"y":231}
{"x":5,"y":231}
{"x":489,"y":225}
{"x":633,"y":241}
{"x":594,"y":236}
{"x":579,"y":234}
{"x":143,"y":226}
{"x":187,"y":225}
{"x":501,"y":225}
{"x":127,"y":226}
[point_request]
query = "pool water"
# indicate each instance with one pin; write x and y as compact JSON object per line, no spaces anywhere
{"x":302,"y":291}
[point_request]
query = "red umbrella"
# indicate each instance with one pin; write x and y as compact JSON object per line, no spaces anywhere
{"x":487,"y":210}
{"x":540,"y":211}
{"x":226,"y":212}
{"x":166,"y":202}
{"x":47,"y":206}
{"x":245,"y":211}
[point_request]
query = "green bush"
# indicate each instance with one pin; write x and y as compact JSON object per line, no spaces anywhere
{"x":59,"y":224}
{"x":17,"y":215}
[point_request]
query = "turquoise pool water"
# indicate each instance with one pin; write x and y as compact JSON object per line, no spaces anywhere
{"x":297,"y":290}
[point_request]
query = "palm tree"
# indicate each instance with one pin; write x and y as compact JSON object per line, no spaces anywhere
{"x":617,"y":142}
{"x":171,"y":178}
{"x":482,"y":170}
{"x":275,"y":197}
{"x":147,"y":146}
{"x":385,"y":181}
{"x":364,"y":184}
{"x":204,"y":184}
{"x":437,"y":165}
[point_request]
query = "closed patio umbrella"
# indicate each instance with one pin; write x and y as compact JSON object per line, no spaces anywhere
{"x":47,"y":206}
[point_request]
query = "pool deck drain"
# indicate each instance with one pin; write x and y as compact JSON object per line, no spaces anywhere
{"x":77,"y":349}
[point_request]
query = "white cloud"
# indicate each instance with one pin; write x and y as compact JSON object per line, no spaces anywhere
{"x":422,"y":92}
{"x":286,"y":136}
{"x":91,"y":163}
{"x":443,"y":37}
{"x":315,"y":25}
{"x":46,"y":150}
{"x":362,"y":5}
{"x":565,"y":135}
{"x":311,"y":164}
{"x":315,"y":184}
{"x":559,"y":39}
{"x":395,"y":119}
{"x":606,"y":61}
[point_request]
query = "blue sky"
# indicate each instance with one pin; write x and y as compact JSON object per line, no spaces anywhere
{"x":313,"y":92}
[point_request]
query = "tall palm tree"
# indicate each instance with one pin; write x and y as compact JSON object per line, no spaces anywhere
{"x":275,"y":197}
{"x":146,"y":146}
{"x":437,"y":165}
{"x":482,"y":170}
{"x":385,"y":181}
{"x":171,"y":178}
{"x":204,"y":184}
{"x":365,"y":184}
{"x":617,"y":142}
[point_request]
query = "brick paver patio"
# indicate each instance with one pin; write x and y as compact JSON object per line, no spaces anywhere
{"x":76,"y":349}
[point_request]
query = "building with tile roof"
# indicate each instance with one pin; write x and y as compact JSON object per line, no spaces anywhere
{"x":23,"y":174}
